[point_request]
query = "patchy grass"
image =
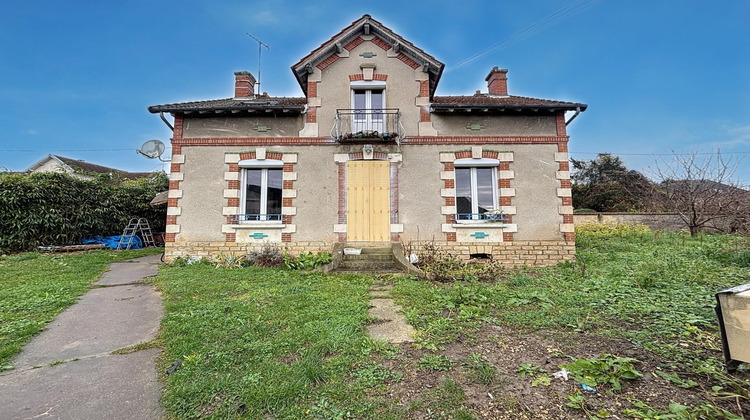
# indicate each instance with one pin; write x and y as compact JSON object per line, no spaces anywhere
{"x":632,"y":318}
{"x":35,"y":287}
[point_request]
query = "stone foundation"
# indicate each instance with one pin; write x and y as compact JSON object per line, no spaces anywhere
{"x":517,"y":253}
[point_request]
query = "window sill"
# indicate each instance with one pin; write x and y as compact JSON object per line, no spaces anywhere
{"x":479,"y":223}
{"x":271,"y":224}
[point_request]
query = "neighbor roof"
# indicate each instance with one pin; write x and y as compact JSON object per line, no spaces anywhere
{"x":83,"y":166}
{"x":258,"y":103}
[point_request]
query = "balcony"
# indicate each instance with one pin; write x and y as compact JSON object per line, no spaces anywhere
{"x":368,"y":125}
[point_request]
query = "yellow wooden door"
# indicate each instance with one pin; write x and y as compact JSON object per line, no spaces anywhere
{"x":368,"y":201}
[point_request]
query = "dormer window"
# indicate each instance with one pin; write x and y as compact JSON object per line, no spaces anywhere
{"x":368,"y":103}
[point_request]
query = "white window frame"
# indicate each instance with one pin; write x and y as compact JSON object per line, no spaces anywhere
{"x":264,"y":165}
{"x":368,"y":123}
{"x":473,"y":164}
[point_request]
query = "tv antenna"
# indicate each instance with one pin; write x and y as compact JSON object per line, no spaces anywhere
{"x":261,"y":44}
{"x":153,"y":149}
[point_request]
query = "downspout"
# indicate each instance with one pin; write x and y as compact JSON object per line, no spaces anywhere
{"x":161,"y":114}
{"x":578,"y":111}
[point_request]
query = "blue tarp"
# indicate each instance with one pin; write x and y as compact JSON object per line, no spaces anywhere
{"x":112,"y":241}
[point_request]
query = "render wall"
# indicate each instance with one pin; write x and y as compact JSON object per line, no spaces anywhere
{"x":419,"y":186}
{"x":477,"y":123}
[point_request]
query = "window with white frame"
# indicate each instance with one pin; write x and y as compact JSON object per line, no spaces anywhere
{"x":368,"y":102}
{"x":476,"y":189}
{"x":261,"y":193}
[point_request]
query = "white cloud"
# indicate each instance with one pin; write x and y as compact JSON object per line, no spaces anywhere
{"x":32,"y":132}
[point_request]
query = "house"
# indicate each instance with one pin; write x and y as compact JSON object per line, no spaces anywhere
{"x":80,"y":168}
{"x":369,"y":155}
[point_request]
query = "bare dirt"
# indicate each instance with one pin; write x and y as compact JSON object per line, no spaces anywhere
{"x":512,"y":396}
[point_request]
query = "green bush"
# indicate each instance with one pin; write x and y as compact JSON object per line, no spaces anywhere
{"x":58,"y":209}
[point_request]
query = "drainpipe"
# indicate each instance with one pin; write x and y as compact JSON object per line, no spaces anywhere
{"x":578,"y":111}
{"x":161,"y":114}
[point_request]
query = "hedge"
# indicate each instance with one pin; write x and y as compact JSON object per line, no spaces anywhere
{"x":58,"y":209}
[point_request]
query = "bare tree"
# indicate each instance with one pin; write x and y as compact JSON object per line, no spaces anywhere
{"x":702,"y":190}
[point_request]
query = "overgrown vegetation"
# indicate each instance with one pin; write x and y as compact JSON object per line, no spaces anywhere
{"x":632,"y":319}
{"x":34,"y":288}
{"x":59,"y":209}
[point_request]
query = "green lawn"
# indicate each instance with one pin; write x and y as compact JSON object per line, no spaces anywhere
{"x":274,"y":342}
{"x":34,"y":288}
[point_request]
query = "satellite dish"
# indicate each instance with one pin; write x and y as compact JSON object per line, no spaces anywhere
{"x":152,"y":149}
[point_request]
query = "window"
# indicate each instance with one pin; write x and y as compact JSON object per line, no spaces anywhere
{"x":368,"y":102}
{"x":261,"y":195}
{"x":476,"y":189}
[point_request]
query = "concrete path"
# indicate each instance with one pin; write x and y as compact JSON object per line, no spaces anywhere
{"x":69,"y":372}
{"x":392,"y":327}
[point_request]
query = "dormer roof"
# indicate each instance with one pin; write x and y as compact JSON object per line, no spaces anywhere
{"x":366,"y":25}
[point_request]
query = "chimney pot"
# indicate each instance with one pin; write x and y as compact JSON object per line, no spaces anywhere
{"x":497,"y":82}
{"x":244,"y":85}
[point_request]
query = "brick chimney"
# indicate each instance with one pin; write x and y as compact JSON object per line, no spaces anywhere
{"x":244,"y":85}
{"x":497,"y":82}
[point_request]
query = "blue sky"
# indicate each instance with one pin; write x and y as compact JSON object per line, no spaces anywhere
{"x":76,"y":77}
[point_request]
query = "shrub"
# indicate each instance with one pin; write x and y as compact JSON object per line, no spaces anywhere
{"x":58,"y":209}
{"x":308,"y":261}
{"x":269,"y":256}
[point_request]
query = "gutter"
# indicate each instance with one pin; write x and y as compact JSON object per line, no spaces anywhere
{"x":161,"y":114}
{"x":578,"y":111}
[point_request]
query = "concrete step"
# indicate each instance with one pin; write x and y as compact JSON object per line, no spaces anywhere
{"x":369,"y":257}
{"x":367,"y":265}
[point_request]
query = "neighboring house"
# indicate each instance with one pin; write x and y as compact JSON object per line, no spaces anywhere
{"x":371,"y":154}
{"x":80,"y":168}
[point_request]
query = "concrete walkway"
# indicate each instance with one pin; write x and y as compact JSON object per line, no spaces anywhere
{"x":69,"y":372}
{"x":392,"y":326}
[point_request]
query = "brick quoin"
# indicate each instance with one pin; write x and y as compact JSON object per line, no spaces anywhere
{"x":503,"y":183}
{"x":504,"y":201}
{"x":567,"y":201}
{"x":507,"y":236}
{"x":177,"y":132}
{"x":174,"y":168}
{"x":234,"y":167}
{"x":311,"y":114}
{"x":169,"y":237}
{"x":233,"y":202}
{"x":395,"y":237}
{"x":171,"y":219}
{"x":449,"y":183}
{"x":171,"y":202}
{"x":230,"y":237}
{"x":174,"y":185}
{"x":565,"y":183}
{"x":424,"y":88}
{"x":560,"y":123}
{"x":449,"y":166}
{"x":286,"y":237}
{"x":569,"y":236}
{"x":342,"y":194}
{"x":567,"y":218}
{"x":564,"y":166}
{"x":286,"y":202}
{"x":508,"y":218}
{"x":342,"y":237}
{"x":503,"y":166}
{"x":312,"y":89}
{"x":451,"y":236}
{"x":562,"y":147}
{"x":286,"y":219}
{"x":424,"y":114}
{"x":233,"y":184}
{"x":176,"y":149}
{"x":353,"y":43}
{"x":450,"y":201}
{"x":380,"y":43}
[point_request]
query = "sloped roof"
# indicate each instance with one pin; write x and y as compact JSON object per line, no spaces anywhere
{"x":265,"y":103}
{"x":366,"y":25}
{"x":485,"y":101}
{"x":83,"y":166}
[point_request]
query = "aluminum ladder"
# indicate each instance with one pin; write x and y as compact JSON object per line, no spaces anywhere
{"x":136,"y":226}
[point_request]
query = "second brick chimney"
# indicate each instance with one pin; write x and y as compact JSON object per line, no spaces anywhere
{"x":497,"y":82}
{"x":244,"y":85}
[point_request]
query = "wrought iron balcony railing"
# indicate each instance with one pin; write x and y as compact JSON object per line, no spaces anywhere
{"x":238,"y":218}
{"x":368,"y":124}
{"x":490,"y":216}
